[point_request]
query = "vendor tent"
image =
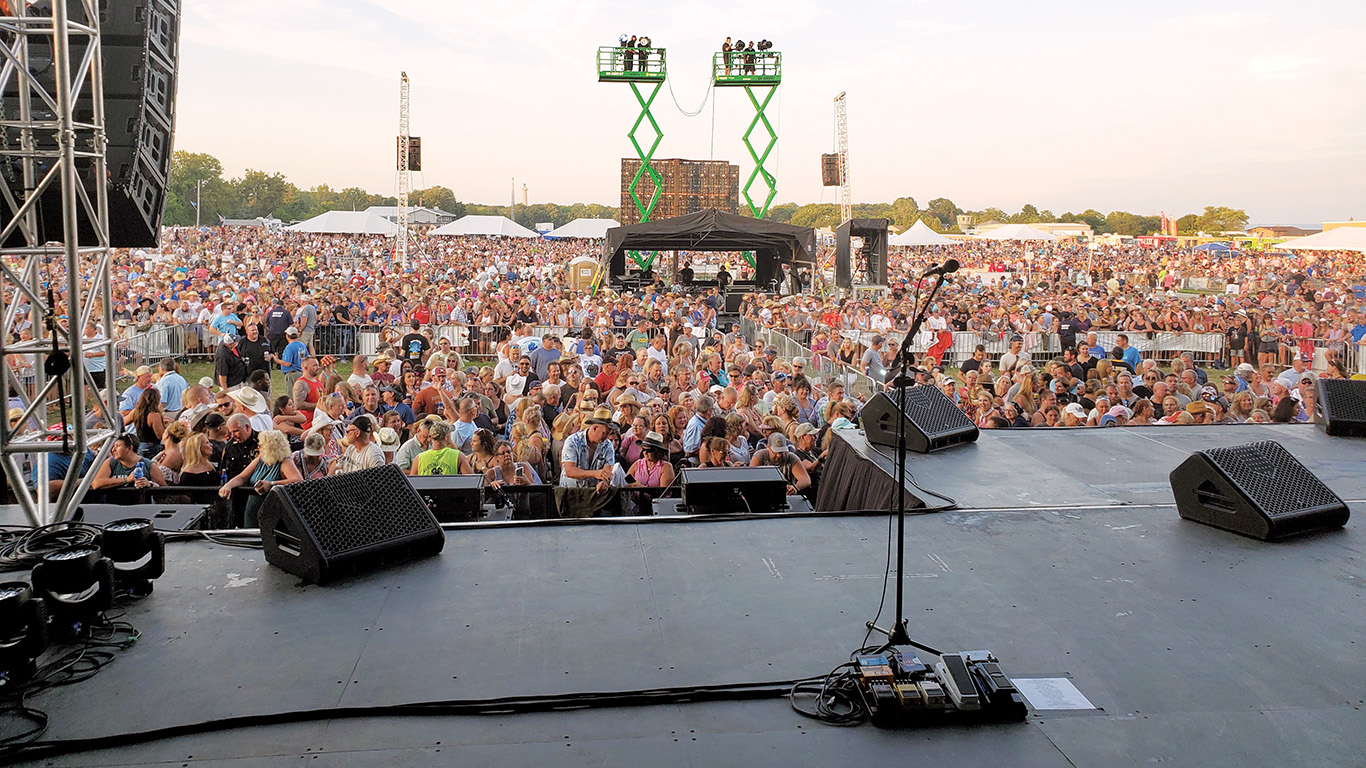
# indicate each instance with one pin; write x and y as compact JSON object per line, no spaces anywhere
{"x":486,"y":226}
{"x":1340,"y":239}
{"x":1018,"y":232}
{"x":919,"y":234}
{"x":594,"y":229}
{"x":346,"y":223}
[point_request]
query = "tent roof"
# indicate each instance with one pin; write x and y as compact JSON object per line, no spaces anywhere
{"x":1018,"y":232}
{"x":586,"y":228}
{"x":484,"y":225}
{"x":1339,"y":239}
{"x":714,"y":230}
{"x":346,"y":223}
{"x":919,"y":233}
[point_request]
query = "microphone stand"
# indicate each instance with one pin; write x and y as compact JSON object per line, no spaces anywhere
{"x":898,"y":634}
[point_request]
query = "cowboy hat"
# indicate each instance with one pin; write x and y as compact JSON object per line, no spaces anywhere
{"x":250,"y":399}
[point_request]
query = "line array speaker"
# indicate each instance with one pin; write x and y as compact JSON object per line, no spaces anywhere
{"x":1258,"y":490}
{"x":140,"y":46}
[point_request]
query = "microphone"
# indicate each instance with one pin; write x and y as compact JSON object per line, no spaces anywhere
{"x":948,"y":267}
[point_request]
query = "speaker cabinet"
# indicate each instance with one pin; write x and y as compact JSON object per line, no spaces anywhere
{"x":451,"y":498}
{"x":933,"y":422}
{"x":140,"y":54}
{"x":830,"y":170}
{"x":730,"y":490}
{"x":1258,"y":490}
{"x":1341,"y":407}
{"x":322,"y":530}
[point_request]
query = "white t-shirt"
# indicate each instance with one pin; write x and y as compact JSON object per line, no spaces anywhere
{"x":360,"y":381}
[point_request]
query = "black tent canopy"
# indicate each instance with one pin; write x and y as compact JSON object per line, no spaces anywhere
{"x":773,"y":244}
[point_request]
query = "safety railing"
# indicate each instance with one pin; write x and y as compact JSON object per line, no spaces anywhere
{"x":749,"y":67}
{"x":621,"y":63}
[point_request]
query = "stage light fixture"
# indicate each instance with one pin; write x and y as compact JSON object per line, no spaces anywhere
{"x":77,"y":583}
{"x":23,"y":632}
{"x":138,"y":553}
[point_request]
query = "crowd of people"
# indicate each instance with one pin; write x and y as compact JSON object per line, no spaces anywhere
{"x":597,"y":391}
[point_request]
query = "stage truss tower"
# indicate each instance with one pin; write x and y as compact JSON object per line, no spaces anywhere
{"x":54,"y":285}
{"x":842,"y":142}
{"x":404,"y":176}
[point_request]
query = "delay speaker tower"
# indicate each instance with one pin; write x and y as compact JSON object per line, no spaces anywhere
{"x":1258,"y":490}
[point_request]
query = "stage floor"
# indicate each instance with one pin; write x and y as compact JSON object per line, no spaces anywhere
{"x":1197,"y":647}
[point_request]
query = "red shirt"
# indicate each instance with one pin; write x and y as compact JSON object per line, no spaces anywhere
{"x":315,"y":392}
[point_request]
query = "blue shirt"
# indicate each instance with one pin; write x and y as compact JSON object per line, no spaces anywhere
{"x":404,"y":411}
{"x":130,"y":398}
{"x":692,"y":434}
{"x":1132,"y":357}
{"x":578,"y":451}
{"x":171,"y":387}
{"x":292,"y":357}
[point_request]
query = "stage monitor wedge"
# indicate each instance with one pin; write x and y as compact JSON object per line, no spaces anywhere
{"x":322,"y":530}
{"x":1341,"y":407}
{"x":933,"y":422}
{"x":1259,"y":490}
{"x":140,"y":47}
{"x":733,"y":490}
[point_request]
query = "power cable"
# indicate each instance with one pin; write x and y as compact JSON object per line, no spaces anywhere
{"x":705,"y":98}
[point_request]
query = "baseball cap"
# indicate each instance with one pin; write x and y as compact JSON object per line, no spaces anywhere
{"x":228,"y":338}
{"x":291,"y":331}
{"x":1076,"y":410}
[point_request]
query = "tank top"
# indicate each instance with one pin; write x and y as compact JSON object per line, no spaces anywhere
{"x":267,"y":472}
{"x":443,"y":462}
{"x":315,"y":392}
{"x":116,"y":468}
{"x":645,"y":476}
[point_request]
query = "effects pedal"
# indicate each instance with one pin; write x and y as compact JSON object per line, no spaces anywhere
{"x":952,"y":671}
{"x":900,"y":689}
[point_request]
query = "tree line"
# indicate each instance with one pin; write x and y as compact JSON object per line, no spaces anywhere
{"x":942,"y":215}
{"x":198,"y":177}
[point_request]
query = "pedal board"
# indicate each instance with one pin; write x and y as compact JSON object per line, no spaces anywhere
{"x":900,"y":689}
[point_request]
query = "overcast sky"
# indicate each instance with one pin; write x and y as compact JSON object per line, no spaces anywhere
{"x":1067,"y":105}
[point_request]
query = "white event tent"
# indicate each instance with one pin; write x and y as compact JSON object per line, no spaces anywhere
{"x":919,"y":233}
{"x":595,"y":229}
{"x":346,"y":223}
{"x":1339,"y":239}
{"x":1018,"y":232}
{"x":486,"y":226}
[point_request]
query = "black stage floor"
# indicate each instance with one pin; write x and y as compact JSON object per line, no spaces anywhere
{"x":1197,"y":647}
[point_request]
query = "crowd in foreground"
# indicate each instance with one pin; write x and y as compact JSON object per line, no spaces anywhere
{"x":638,"y":385}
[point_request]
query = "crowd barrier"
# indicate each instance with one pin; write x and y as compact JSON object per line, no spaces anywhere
{"x":344,"y":341}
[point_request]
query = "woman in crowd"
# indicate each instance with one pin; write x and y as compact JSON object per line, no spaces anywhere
{"x":506,"y":470}
{"x":148,"y":423}
{"x":287,"y":419}
{"x":673,"y":443}
{"x":311,"y":460}
{"x":652,"y":469}
{"x":271,"y":467}
{"x":738,"y":438}
{"x":631,"y":446}
{"x":328,"y":422}
{"x":482,"y":446}
{"x":171,"y":459}
{"x":126,"y":468}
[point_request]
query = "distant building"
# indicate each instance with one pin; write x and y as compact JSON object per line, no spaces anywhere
{"x":418,"y":216}
{"x":1057,"y":228}
{"x":1272,"y":231}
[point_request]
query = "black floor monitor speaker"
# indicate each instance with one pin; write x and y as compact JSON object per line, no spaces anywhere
{"x":1341,"y":407}
{"x":933,"y":422}
{"x":1258,"y":490}
{"x":451,"y":498}
{"x":732,"y":490}
{"x":322,"y":530}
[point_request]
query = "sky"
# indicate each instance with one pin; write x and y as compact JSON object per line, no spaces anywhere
{"x":1066,"y":105}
